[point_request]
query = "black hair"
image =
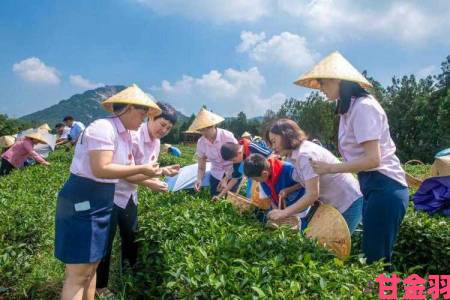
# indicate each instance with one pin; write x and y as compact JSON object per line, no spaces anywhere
{"x":347,"y":90}
{"x":118,"y":107}
{"x":229,"y":150}
{"x":59,"y":125}
{"x":254,"y":165}
{"x":68,"y":118}
{"x":167,"y":112}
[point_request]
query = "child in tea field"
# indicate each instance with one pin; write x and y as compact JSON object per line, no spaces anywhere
{"x":17,"y":154}
{"x":366,"y":145}
{"x":146,"y":148}
{"x":208,"y":148}
{"x":84,"y":211}
{"x":237,"y":153}
{"x":276,"y":179}
{"x":339,"y":190}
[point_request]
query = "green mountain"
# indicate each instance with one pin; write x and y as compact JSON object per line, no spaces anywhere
{"x":83,"y":107}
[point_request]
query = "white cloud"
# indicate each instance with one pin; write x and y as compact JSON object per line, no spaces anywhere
{"x":285,"y":49}
{"x":405,"y":21}
{"x":229,"y":92}
{"x":211,"y":10}
{"x":81,"y":82}
{"x":36,"y":71}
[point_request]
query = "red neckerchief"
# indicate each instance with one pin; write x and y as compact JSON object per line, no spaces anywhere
{"x":276,"y":166}
{"x":246,"y":144}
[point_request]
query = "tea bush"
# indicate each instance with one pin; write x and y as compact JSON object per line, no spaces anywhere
{"x":197,"y":249}
{"x":192,"y":248}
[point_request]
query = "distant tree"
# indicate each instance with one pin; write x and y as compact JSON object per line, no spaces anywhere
{"x":10,"y":126}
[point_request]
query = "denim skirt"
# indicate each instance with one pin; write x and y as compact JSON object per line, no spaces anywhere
{"x":83,"y":220}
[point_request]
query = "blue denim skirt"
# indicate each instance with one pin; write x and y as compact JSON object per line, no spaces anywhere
{"x":83,"y":220}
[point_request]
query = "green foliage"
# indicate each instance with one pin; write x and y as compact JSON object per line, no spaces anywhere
{"x":423,"y":246}
{"x":10,"y":126}
{"x":315,"y":116}
{"x":193,"y":248}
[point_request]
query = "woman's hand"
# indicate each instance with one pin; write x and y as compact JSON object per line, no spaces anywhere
{"x":197,"y":185}
{"x":158,"y":186}
{"x":171,"y":170}
{"x":322,"y":167}
{"x":277,"y":214}
{"x":151,"y":170}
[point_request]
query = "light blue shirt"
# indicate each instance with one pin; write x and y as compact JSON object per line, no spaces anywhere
{"x":76,"y":129}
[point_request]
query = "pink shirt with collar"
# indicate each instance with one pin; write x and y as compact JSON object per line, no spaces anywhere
{"x":339,"y":190}
{"x":211,"y":151}
{"x":366,"y":121}
{"x":107,"y":134}
{"x":145,"y":150}
{"x":20,"y":151}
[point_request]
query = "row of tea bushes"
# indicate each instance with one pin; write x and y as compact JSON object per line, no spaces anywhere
{"x":193,"y":248}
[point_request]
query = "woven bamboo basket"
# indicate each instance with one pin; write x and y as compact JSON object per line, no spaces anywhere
{"x":410,"y":179}
{"x":241,"y":203}
{"x":292,"y":221}
{"x":262,"y":203}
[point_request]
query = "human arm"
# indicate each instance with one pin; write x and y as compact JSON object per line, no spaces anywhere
{"x":200,"y":173}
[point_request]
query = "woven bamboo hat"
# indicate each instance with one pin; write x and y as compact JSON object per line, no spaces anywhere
{"x":441,"y":166}
{"x":330,"y":229}
{"x":166,"y":147}
{"x":246,"y":134}
{"x":133,"y":95}
{"x":205,"y":119}
{"x":45,"y":127}
{"x":7,"y":141}
{"x":37,"y":134}
{"x":334,"y":66}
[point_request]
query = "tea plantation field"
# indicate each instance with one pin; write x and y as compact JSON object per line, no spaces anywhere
{"x":193,"y":248}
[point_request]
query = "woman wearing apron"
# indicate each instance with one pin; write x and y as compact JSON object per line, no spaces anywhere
{"x":367,"y":148}
{"x":103,"y":154}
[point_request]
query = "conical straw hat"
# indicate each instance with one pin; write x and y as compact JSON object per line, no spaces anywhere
{"x":38,"y":135}
{"x":132,"y":95}
{"x":205,"y":119}
{"x":7,"y":141}
{"x":330,"y":229}
{"x":246,"y":134}
{"x":334,"y":66}
{"x":166,"y":146}
{"x":441,"y":166}
{"x":45,"y":127}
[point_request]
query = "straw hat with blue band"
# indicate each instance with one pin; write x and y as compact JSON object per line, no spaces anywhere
{"x":334,"y":66}
{"x":205,"y":119}
{"x":133,"y":95}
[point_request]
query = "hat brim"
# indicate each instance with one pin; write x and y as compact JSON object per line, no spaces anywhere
{"x":153,"y":111}
{"x":313,"y":82}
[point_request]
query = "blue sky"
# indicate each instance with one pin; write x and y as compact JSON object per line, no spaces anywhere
{"x":231,"y":55}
